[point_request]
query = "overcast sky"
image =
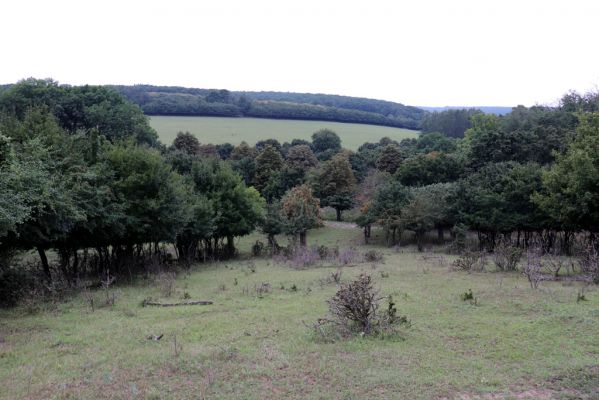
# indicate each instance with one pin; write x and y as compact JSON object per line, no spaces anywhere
{"x":416,"y":52}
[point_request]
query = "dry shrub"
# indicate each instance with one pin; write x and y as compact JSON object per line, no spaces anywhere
{"x":589,"y":264}
{"x":355,"y":310}
{"x":533,"y":267}
{"x":507,"y":257}
{"x":166,"y":283}
{"x":470,"y":261}
{"x":373,"y":256}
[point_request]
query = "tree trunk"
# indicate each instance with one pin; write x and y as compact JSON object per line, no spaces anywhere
{"x":366,"y":234}
{"x":302,"y":238}
{"x":419,"y":237}
{"x":42,"y":253}
{"x":338,"y":214}
{"x":441,"y":235}
{"x":230,"y":246}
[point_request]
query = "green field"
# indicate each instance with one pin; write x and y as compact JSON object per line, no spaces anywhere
{"x":217,"y":130}
{"x":515,"y":342}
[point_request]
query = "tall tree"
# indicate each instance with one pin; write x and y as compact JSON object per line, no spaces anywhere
{"x":334,"y":184}
{"x":301,"y":211}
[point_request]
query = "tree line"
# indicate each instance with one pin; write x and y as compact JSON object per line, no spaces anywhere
{"x":162,"y":100}
{"x":84,"y":175}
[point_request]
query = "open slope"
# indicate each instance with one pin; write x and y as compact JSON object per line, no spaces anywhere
{"x":218,"y":130}
{"x":514,"y":343}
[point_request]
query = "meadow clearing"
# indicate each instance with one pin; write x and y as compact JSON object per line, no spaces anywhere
{"x":252,"y":343}
{"x":218,"y":130}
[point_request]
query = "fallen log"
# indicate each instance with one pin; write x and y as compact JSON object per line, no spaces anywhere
{"x":185,"y":303}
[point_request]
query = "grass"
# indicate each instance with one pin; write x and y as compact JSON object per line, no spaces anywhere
{"x":219,"y":130}
{"x":515,"y":341}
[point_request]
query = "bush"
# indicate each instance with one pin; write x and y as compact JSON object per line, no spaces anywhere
{"x":459,"y":233}
{"x":589,"y":264}
{"x":507,"y":257}
{"x":14,"y":284}
{"x":373,"y":256}
{"x":533,"y":267}
{"x":258,"y":248}
{"x":355,"y":307}
{"x":470,"y":261}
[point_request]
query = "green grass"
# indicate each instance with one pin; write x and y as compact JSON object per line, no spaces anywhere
{"x":246,"y":347}
{"x":217,"y":130}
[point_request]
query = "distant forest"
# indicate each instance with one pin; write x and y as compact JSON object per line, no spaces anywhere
{"x":172,"y":100}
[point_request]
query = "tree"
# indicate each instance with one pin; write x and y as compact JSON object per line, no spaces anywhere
{"x":236,"y":209}
{"x":452,"y":123}
{"x":300,"y":210}
{"x":268,"y":163}
{"x":325,"y":144}
{"x":426,"y":169}
{"x":334,"y":184}
{"x":243,"y":161}
{"x":152,"y":194}
{"x":273,"y":224}
{"x":187,"y":143}
{"x":301,"y":157}
{"x":570,"y":193}
{"x":386,"y":208}
{"x":389,"y":159}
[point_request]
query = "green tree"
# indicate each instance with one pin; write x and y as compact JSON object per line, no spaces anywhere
{"x":187,"y":143}
{"x":334,"y":184}
{"x":389,"y":159}
{"x":570,"y":193}
{"x":386,"y":208}
{"x":426,"y":169}
{"x":301,"y":211}
{"x":325,"y":143}
{"x":301,"y":157}
{"x":268,"y":163}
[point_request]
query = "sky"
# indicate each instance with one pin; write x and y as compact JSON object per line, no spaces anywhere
{"x":416,"y":52}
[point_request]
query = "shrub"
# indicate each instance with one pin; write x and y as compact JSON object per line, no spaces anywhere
{"x":348,"y":256}
{"x":373,"y":256}
{"x":470,"y":261}
{"x":533,"y":267}
{"x":589,"y":264}
{"x":468,"y":295}
{"x":14,"y":283}
{"x":459,"y":233}
{"x":354,"y":309}
{"x":507,"y":257}
{"x":258,"y":248}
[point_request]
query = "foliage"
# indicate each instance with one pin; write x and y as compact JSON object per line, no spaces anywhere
{"x":300,"y":210}
{"x":325,"y":143}
{"x":355,"y":309}
{"x":570,"y":196}
{"x":389,"y":159}
{"x":427,"y":169}
{"x":334,"y":184}
{"x":470,"y":261}
{"x":507,"y":257}
{"x":452,"y":123}
{"x":268,"y":163}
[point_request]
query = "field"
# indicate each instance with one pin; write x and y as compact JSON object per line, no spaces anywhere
{"x":515,"y":342}
{"x":218,"y":130}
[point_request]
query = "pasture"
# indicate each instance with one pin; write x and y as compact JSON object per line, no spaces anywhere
{"x":513,"y":342}
{"x":218,"y":130}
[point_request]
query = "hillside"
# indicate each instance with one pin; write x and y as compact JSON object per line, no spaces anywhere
{"x":174,"y":100}
{"x":498,"y":110}
{"x":219,"y":130}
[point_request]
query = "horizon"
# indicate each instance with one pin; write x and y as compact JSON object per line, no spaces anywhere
{"x":429,"y":54}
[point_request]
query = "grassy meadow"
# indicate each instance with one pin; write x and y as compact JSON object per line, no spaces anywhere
{"x":217,"y":130}
{"x":515,"y":342}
